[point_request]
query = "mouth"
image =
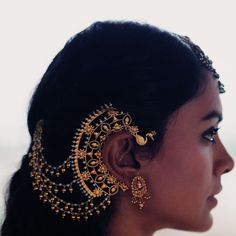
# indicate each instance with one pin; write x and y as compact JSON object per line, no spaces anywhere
{"x":212,"y":201}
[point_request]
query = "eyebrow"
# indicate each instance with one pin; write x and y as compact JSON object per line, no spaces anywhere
{"x":213,"y":114}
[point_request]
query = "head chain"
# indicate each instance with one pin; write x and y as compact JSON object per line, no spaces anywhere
{"x":90,"y":173}
{"x":203,"y":59}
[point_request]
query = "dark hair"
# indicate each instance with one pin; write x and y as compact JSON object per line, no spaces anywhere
{"x":141,"y":69}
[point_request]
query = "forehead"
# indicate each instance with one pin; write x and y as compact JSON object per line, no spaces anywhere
{"x":208,"y":101}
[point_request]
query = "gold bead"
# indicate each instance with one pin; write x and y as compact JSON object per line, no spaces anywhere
{"x":141,"y":205}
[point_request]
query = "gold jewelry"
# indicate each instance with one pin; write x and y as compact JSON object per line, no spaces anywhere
{"x":86,"y":163}
{"x":139,"y":191}
{"x":202,"y":57}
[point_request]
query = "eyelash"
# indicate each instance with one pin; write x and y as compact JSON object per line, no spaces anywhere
{"x":209,"y":135}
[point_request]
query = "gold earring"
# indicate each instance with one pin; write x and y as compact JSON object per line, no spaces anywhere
{"x":139,"y":191}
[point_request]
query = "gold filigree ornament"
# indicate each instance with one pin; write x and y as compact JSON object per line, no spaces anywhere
{"x":139,"y":191}
{"x":90,"y":175}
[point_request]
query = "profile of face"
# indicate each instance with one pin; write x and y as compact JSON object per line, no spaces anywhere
{"x":185,"y":175}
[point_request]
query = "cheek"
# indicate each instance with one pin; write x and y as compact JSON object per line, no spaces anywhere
{"x":189,"y":169}
{"x":180,"y":185}
{"x":183,"y":183}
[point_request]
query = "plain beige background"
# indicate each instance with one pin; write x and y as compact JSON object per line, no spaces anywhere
{"x":32,"y":32}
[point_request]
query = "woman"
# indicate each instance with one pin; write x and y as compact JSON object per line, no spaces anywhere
{"x":124,"y":138}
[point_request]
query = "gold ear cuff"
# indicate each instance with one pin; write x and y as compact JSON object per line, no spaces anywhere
{"x":90,"y":174}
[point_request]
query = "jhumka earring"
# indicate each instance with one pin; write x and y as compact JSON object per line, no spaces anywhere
{"x":90,"y":175}
{"x":139,"y":191}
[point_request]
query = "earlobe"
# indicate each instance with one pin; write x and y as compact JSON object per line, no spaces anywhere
{"x":119,"y":155}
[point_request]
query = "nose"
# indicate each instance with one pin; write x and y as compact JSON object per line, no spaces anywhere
{"x":224,"y":163}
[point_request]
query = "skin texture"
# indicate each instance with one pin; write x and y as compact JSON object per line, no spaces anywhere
{"x":180,"y":178}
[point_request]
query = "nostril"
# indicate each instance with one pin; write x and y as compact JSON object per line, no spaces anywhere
{"x":223,"y":167}
{"x":226,"y":171}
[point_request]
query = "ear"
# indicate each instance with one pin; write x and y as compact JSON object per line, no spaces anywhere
{"x":121,"y":157}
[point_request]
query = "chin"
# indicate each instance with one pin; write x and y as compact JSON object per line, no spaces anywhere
{"x":205,"y":225}
{"x":202,"y":225}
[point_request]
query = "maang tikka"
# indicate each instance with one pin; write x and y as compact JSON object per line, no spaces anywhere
{"x":86,"y":164}
{"x":203,"y":59}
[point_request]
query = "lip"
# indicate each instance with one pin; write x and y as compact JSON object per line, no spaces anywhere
{"x":212,"y":201}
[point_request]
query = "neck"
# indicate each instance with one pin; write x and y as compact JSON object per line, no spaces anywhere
{"x":129,"y":221}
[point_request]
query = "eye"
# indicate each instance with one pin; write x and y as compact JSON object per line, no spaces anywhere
{"x":210,"y":134}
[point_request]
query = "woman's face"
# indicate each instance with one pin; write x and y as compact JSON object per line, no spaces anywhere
{"x":185,"y":175}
